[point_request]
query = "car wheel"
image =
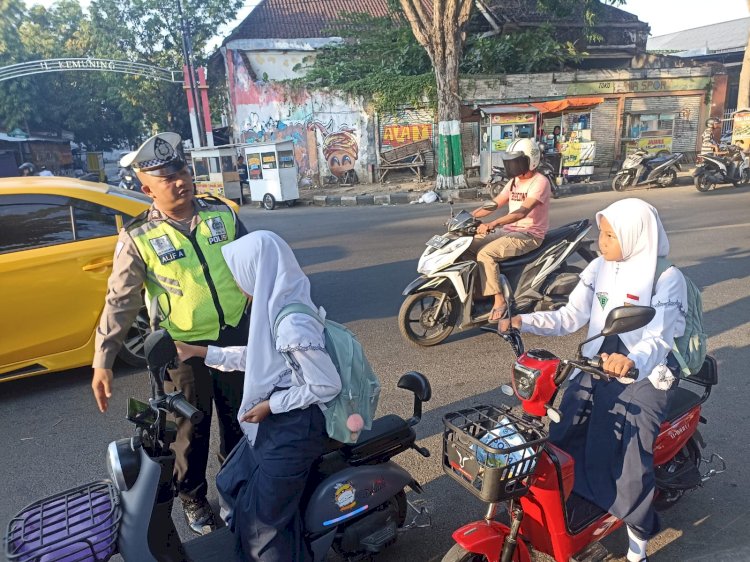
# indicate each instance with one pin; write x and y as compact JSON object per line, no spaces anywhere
{"x":132,"y":351}
{"x":269,"y":203}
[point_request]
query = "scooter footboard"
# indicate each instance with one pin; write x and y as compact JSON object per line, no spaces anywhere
{"x":353,"y":492}
{"x":487,"y":539}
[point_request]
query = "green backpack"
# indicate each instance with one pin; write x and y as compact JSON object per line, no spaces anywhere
{"x":360,"y":388}
{"x":690,"y":348}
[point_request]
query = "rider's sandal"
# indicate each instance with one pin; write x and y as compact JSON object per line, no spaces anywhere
{"x":497,"y":313}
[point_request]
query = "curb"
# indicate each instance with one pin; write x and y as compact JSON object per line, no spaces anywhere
{"x":406,"y":197}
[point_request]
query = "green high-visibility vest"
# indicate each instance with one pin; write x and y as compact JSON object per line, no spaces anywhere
{"x":187,"y":275}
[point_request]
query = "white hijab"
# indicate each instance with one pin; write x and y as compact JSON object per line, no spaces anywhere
{"x":642,"y":238}
{"x":264,"y":266}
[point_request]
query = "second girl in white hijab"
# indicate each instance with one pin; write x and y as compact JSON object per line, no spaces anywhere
{"x":609,"y":426}
{"x":263,"y":479}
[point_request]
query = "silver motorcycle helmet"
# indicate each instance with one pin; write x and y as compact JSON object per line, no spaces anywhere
{"x":522,"y":156}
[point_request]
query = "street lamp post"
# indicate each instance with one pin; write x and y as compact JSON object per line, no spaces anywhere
{"x":188,"y":56}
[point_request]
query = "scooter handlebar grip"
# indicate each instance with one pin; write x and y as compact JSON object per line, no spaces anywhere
{"x":180,"y":406}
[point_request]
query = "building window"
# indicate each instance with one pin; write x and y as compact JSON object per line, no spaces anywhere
{"x":201,"y":169}
{"x":642,"y":125}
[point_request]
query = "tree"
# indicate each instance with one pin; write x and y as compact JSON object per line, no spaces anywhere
{"x":441,"y":31}
{"x":743,"y":95}
{"x":442,"y":35}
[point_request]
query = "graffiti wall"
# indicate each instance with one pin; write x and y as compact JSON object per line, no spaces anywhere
{"x":331,"y":135}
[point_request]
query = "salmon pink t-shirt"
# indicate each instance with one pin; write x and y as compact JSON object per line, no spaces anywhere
{"x":536,"y":223}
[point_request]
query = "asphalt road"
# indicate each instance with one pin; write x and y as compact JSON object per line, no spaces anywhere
{"x":359,"y":259}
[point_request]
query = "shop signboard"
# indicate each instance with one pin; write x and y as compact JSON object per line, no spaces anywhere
{"x":513,"y":118}
{"x":578,"y":153}
{"x":741,"y":128}
{"x":212,"y":188}
{"x":652,"y":145}
{"x":637,"y":86}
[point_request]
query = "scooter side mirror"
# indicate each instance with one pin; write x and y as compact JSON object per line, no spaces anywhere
{"x":489,"y":206}
{"x":626,"y":319}
{"x":160,"y":351}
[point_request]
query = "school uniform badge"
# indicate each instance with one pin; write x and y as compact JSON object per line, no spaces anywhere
{"x":603,"y":299}
{"x":165,"y":250}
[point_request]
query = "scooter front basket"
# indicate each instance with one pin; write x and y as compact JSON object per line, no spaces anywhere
{"x":78,"y":525}
{"x":491,"y":452}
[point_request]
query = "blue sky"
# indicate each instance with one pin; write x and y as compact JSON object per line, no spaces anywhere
{"x":664,"y":16}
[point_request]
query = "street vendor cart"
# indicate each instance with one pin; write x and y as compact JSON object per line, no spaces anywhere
{"x":272,"y":173}
{"x":215,"y":171}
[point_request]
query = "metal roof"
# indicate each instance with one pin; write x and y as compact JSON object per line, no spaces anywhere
{"x":715,"y":38}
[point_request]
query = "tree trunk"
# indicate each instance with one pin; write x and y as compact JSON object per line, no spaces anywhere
{"x":441,"y":34}
{"x":743,"y":96}
{"x":450,"y":162}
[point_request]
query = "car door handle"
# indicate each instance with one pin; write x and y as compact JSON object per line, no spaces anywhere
{"x":97,"y":265}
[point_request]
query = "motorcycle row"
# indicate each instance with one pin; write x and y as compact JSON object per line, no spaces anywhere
{"x":356,"y":500}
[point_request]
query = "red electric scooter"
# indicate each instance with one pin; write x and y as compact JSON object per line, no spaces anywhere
{"x":504,"y":458}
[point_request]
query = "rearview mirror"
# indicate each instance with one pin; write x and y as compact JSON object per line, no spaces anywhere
{"x":160,"y":350}
{"x":489,"y":206}
{"x":626,"y":319}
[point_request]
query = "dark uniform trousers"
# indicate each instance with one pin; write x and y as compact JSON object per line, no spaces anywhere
{"x":204,"y":387}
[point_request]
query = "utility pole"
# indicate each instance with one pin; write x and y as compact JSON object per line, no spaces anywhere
{"x":187,"y":54}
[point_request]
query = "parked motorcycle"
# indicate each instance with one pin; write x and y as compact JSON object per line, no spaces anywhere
{"x":499,"y":178}
{"x":448,"y":294}
{"x":642,"y":169}
{"x":505,"y":458}
{"x":712,"y":169}
{"x":355,"y":499}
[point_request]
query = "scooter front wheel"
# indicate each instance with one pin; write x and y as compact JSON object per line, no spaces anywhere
{"x":702,"y":183}
{"x":621,"y":182}
{"x":427,"y":318}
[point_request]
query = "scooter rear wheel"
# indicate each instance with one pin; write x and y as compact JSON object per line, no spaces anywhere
{"x":702,"y":183}
{"x":421,"y":323}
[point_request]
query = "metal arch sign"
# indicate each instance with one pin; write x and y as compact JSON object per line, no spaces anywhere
{"x":105,"y":65}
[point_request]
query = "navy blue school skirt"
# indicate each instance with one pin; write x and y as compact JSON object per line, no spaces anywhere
{"x":261,"y":485}
{"x":609,"y":428}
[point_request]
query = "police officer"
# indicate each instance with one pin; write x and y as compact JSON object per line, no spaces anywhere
{"x":174,"y":249}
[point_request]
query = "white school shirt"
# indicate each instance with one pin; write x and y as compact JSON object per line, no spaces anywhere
{"x":650,"y":354}
{"x":312,"y":380}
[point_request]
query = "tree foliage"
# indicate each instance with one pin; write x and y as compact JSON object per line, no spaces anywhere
{"x":102,"y":109}
{"x":380,"y":59}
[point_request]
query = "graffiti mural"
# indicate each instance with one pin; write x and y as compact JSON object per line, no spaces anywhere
{"x":322,"y":126}
{"x":398,"y":135}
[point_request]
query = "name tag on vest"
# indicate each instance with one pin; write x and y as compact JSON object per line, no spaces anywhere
{"x":165,"y":250}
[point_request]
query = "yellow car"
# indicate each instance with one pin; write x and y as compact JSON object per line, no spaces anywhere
{"x":57,"y":240}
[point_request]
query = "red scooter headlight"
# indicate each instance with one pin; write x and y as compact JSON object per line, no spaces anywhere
{"x":524,"y":380}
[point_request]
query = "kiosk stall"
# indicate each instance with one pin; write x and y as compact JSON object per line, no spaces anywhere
{"x":501,"y":125}
{"x":215,"y":171}
{"x":272,"y":173}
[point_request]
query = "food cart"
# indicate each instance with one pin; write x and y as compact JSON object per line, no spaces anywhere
{"x":215,"y":171}
{"x":501,"y":125}
{"x":741,"y":128}
{"x":272,"y":173}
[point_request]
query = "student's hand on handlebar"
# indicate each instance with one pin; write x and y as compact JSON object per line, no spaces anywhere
{"x":484,"y":228}
{"x":616,"y":364}
{"x":257,"y":413}
{"x":101,"y":384}
{"x":504,"y":324}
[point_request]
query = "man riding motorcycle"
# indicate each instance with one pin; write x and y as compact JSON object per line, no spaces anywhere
{"x":708,"y":142}
{"x":527,"y":194}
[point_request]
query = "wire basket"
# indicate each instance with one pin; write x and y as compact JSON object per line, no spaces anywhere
{"x":79,"y":525}
{"x":491,"y":452}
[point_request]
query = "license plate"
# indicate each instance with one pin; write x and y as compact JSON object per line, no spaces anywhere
{"x":437,"y":242}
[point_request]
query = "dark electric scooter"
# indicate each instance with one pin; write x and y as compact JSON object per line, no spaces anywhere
{"x":355,"y":500}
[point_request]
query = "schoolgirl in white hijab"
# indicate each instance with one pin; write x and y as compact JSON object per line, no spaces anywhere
{"x":263,"y":479}
{"x":609,"y":426}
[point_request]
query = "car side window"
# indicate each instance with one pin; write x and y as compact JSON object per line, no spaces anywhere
{"x":28,"y":224}
{"x":93,"y":221}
